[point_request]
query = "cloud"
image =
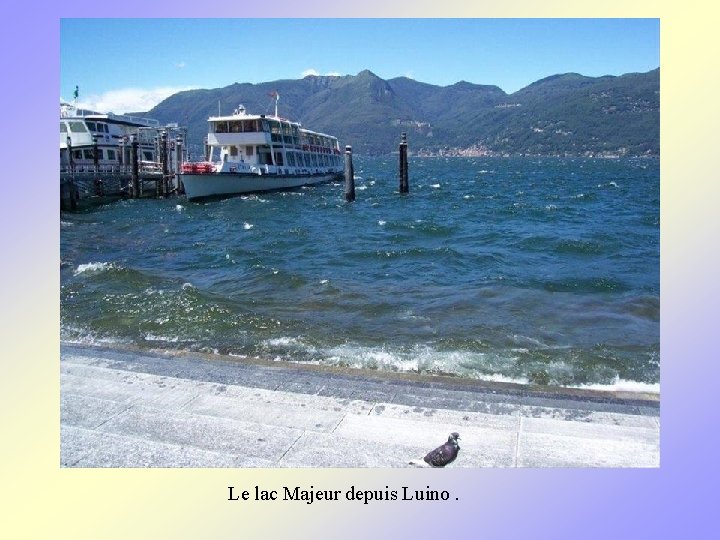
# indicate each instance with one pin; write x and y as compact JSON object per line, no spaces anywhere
{"x":129,"y":99}
{"x":180,"y":65}
{"x":316,"y":73}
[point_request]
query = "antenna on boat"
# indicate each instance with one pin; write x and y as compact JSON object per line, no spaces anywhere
{"x":277,"y":98}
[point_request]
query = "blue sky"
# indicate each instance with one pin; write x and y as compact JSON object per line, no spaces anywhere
{"x":132,"y":64}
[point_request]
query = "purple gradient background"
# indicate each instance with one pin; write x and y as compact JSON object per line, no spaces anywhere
{"x":676,"y":500}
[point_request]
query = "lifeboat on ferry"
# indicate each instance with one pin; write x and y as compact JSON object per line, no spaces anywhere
{"x":201,"y":167}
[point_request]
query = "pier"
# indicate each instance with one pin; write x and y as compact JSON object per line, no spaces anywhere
{"x":131,"y":177}
{"x":122,"y":408}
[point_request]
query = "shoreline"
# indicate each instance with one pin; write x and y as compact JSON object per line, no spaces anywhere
{"x":422,"y":379}
{"x":125,"y":408}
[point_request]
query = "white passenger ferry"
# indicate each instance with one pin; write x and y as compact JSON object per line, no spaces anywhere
{"x":253,"y":153}
{"x":92,"y":142}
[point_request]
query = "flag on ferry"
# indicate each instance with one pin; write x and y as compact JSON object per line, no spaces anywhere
{"x":76,"y":93}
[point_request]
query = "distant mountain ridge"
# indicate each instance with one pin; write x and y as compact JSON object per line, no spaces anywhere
{"x":564,"y":114}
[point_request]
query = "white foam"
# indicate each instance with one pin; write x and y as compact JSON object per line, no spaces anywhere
{"x":435,"y":186}
{"x":621,"y":385}
{"x":382,"y":222}
{"x":153,"y":337}
{"x":65,"y":223}
{"x":179,"y":207}
{"x":247,"y":226}
{"x":93,"y":267}
{"x":283,"y":341}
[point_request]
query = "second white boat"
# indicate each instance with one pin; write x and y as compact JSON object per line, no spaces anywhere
{"x":255,"y":153}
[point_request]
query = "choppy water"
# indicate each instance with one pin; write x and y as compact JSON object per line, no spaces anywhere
{"x":533,"y":270}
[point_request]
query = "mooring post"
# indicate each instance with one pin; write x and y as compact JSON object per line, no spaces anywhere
{"x":96,"y":164}
{"x":134,"y":167}
{"x":121,"y":156}
{"x":178,"y":163}
{"x":164,"y":162}
{"x":71,"y":161}
{"x":72,"y":193}
{"x":349,"y":175}
{"x":404,"y":187}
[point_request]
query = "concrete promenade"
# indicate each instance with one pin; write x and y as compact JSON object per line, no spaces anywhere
{"x":140,"y":409}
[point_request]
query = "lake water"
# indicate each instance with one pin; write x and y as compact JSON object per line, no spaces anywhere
{"x":540,"y":271}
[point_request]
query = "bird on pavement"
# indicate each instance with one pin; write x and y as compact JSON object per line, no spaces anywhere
{"x":442,"y":455}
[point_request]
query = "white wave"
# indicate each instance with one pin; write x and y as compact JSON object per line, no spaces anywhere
{"x":613,"y":184}
{"x":435,"y":186}
{"x":83,"y":336}
{"x":153,"y":337}
{"x":497,"y":377}
{"x":247,"y":226}
{"x":622,"y":385}
{"x":66,"y":224}
{"x":93,"y":267}
{"x":361,"y":188}
{"x":179,"y":207}
{"x":382,"y":222}
{"x":283,"y":341}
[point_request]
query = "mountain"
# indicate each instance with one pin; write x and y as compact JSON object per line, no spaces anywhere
{"x":565,"y":114}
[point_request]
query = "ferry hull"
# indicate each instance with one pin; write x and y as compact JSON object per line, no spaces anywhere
{"x":216,"y":185}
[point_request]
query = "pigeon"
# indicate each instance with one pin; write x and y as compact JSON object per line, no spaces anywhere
{"x":442,"y":455}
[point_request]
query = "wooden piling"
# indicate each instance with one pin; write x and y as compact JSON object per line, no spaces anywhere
{"x":164,"y":162}
{"x":349,"y":175}
{"x":134,"y":144}
{"x":404,"y":187}
{"x":71,"y":190}
{"x":121,"y":156}
{"x":178,"y":164}
{"x":96,"y":157}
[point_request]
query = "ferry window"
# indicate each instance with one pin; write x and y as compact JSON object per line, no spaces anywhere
{"x":221,"y":127}
{"x":91,"y":126}
{"x":147,"y":156}
{"x":279,"y":159}
{"x":78,"y":127}
{"x":234,"y":151}
{"x":88,"y":154}
{"x":111,"y":155}
{"x":77,"y":154}
{"x":264,"y":155}
{"x":265,"y":126}
{"x":291,"y":159}
{"x":63,"y":127}
{"x":235,"y":127}
{"x":249,"y":150}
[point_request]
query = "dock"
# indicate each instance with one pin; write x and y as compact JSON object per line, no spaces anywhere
{"x":122,"y":408}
